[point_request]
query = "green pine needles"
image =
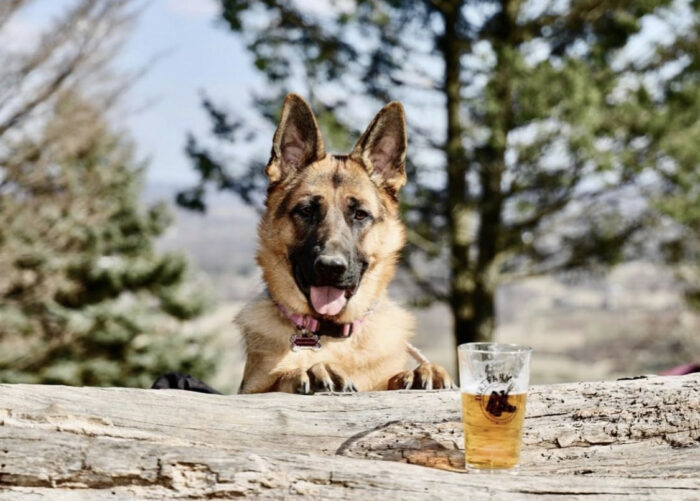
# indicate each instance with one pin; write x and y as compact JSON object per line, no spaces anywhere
{"x":85,"y":299}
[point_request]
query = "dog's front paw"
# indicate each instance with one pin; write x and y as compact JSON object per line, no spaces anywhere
{"x":426,"y":376}
{"x":296,"y":381}
{"x":325,"y":377}
{"x":319,"y":377}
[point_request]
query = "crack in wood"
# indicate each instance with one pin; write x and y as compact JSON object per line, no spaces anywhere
{"x":611,"y":439}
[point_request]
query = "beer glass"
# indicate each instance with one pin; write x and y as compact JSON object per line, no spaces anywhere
{"x":493,"y":381}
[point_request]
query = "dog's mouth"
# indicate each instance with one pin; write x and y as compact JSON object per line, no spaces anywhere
{"x":327,"y":300}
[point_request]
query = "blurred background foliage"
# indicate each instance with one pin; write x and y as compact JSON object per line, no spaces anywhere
{"x":549,"y":142}
{"x":84,"y":297}
{"x":544,"y":136}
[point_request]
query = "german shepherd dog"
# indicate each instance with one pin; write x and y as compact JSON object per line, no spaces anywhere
{"x":329,"y":240}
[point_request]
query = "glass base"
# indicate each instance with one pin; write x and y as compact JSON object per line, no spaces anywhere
{"x":486,"y":470}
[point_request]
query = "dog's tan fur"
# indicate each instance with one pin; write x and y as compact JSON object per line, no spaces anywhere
{"x":299,"y":168}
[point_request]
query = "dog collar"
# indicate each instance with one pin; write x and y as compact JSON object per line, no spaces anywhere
{"x":310,"y":329}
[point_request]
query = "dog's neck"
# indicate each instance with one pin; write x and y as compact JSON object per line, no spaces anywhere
{"x":321,"y":326}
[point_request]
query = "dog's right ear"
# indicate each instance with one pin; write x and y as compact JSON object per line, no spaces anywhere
{"x":297,"y":141}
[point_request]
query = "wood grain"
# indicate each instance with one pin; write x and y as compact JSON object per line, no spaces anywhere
{"x":609,"y":440}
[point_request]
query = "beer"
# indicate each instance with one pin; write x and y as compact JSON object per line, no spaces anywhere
{"x":493,"y":425}
{"x":494,"y":379}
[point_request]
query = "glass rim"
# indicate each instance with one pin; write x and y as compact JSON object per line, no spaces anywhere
{"x":505,"y":348}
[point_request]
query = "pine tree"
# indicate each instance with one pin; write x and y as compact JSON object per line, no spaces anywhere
{"x":85,"y":299}
{"x":545,"y":136}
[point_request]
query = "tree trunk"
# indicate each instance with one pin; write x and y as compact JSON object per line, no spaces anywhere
{"x":460,"y":215}
{"x":491,"y":161}
{"x":595,"y":441}
{"x":474,"y":284}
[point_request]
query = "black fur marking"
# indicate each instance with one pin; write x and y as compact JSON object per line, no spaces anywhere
{"x":179,"y":381}
{"x":283,"y":208}
{"x":314,"y":231}
{"x":337,"y":178}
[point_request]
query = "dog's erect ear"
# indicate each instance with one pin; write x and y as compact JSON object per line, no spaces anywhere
{"x":297,"y":141}
{"x":382,"y":147}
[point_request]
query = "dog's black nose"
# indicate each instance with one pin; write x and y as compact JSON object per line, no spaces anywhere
{"x":331,"y":267}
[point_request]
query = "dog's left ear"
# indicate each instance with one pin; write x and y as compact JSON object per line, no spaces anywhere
{"x":382,"y":147}
{"x":297,"y":141}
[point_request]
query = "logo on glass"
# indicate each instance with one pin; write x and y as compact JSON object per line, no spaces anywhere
{"x":496,"y":406}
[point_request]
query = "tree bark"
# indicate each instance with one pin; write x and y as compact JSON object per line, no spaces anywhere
{"x":491,"y":161}
{"x":473,"y":285}
{"x":613,"y":440}
{"x":460,"y":215}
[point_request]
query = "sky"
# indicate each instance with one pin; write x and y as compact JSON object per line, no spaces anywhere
{"x":198,"y":54}
{"x":194,"y":52}
{"x":201,"y":54}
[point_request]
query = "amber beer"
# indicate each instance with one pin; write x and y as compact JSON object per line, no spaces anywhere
{"x":494,"y":379}
{"x":493,"y":426}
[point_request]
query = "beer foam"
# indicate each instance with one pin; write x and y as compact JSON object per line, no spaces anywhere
{"x":480,"y":375}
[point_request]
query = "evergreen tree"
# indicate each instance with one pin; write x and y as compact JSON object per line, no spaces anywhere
{"x":545,"y":136}
{"x":85,"y":299}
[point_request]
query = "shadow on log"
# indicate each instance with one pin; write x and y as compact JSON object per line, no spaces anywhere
{"x":625,"y":439}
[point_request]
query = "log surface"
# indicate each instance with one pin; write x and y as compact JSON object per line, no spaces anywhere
{"x":609,"y":440}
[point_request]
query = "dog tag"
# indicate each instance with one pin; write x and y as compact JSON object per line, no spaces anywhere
{"x":305,"y":341}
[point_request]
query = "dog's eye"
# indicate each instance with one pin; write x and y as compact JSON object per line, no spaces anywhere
{"x":305,"y":211}
{"x":361,"y":215}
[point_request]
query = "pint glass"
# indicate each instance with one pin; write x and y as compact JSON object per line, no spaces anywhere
{"x":493,"y":381}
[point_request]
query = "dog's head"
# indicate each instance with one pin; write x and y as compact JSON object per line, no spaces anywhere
{"x":331,"y":233}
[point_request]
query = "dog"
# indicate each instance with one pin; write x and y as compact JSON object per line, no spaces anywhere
{"x":329,"y":241}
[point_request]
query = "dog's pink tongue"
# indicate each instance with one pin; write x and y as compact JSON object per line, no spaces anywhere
{"x":328,"y":300}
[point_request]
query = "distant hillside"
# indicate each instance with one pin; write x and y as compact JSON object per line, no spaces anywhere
{"x":221,"y":242}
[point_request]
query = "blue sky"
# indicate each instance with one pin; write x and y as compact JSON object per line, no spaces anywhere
{"x":198,"y":53}
{"x":201,"y":55}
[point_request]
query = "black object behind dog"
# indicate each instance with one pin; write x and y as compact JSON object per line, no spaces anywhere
{"x":180,"y":381}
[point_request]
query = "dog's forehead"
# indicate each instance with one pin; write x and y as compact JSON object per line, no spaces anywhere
{"x":340,"y":174}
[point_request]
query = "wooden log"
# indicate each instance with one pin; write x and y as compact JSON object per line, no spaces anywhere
{"x":610,"y":440}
